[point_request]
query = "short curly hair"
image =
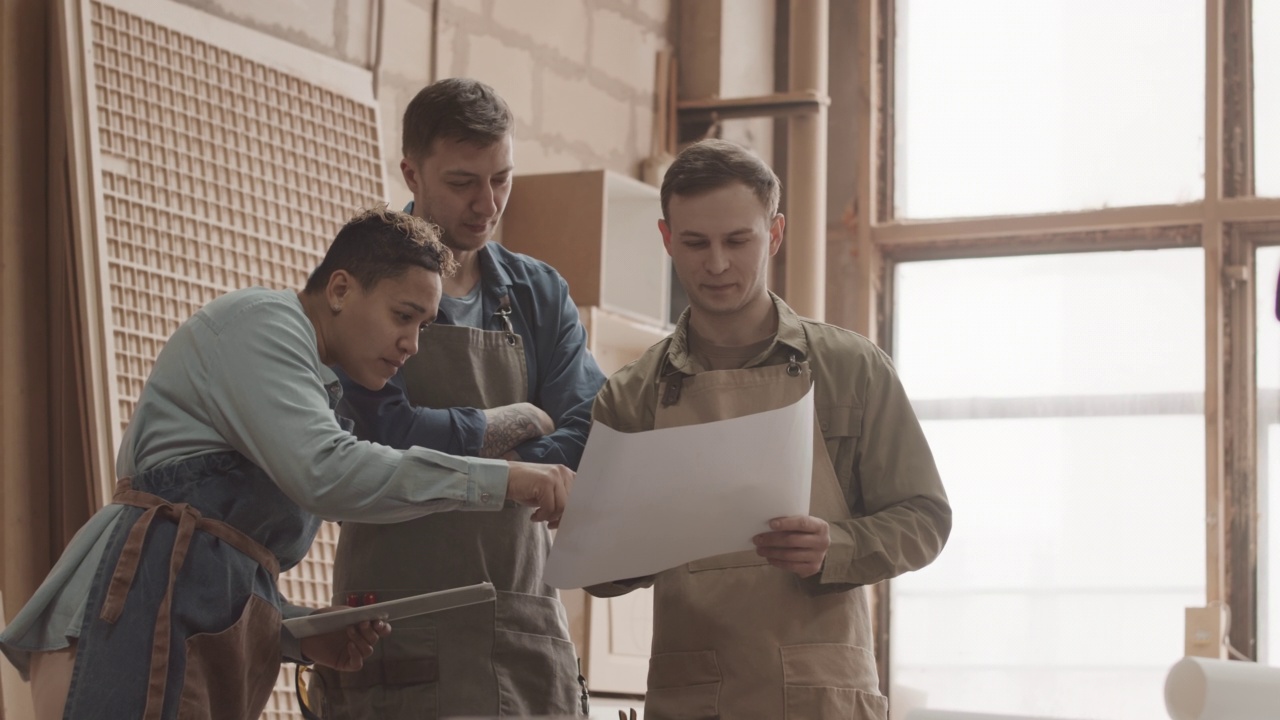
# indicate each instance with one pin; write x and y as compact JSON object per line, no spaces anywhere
{"x":378,"y":244}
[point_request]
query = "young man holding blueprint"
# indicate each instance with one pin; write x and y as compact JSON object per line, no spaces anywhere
{"x":784,"y":630}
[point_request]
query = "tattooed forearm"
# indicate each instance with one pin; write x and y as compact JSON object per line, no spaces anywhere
{"x":510,"y":425}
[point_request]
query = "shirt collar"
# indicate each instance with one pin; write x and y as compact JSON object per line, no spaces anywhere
{"x":790,"y":334}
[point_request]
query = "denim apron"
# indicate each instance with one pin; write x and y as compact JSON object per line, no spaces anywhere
{"x":509,"y":658}
{"x":735,"y":637}
{"x":183,"y":617}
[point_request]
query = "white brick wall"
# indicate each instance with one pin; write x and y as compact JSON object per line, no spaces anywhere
{"x":577,"y":73}
{"x":622,"y":49}
{"x":509,"y":70}
{"x":559,"y":25}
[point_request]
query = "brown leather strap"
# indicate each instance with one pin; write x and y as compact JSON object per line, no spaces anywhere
{"x":189,"y":520}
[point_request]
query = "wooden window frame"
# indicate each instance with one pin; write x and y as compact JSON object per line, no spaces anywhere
{"x":1229,"y":223}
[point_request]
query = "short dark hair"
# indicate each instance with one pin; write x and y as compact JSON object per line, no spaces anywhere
{"x":712,"y":164}
{"x":456,"y":109}
{"x":379,"y":244}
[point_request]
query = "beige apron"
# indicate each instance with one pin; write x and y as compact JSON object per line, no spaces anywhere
{"x":509,"y":658}
{"x":734,"y":637}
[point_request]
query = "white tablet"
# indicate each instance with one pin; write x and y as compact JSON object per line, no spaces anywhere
{"x":321,"y":623}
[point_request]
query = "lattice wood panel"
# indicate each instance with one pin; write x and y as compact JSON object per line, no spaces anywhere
{"x":212,"y":171}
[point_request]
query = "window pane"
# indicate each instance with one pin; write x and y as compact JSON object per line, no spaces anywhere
{"x":1268,"y":369}
{"x":1266,"y":97}
{"x":1079,"y":520}
{"x":1087,"y":324}
{"x":1011,"y":107}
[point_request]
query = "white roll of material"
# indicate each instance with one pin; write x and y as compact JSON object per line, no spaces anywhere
{"x":1205,"y":689}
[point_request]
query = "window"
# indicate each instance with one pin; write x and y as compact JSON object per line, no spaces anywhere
{"x":1268,"y":373}
{"x":1012,"y":107}
{"x":1063,"y":399}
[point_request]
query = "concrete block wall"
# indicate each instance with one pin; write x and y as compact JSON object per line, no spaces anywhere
{"x":579,"y":74}
{"x":339,"y":28}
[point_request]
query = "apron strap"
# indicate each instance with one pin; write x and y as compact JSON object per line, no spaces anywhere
{"x":189,"y":520}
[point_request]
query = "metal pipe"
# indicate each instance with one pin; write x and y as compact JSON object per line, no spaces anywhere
{"x":806,"y":272}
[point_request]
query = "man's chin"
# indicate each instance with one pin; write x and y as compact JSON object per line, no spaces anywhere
{"x":467,"y":242}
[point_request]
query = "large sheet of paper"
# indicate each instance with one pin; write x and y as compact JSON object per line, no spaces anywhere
{"x":646,"y":502}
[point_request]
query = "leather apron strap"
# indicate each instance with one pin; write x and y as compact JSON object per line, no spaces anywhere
{"x":189,"y":520}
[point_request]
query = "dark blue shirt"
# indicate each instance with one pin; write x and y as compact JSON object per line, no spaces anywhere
{"x":563,"y":376}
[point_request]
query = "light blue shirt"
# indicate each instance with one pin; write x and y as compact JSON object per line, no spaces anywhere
{"x":244,"y":374}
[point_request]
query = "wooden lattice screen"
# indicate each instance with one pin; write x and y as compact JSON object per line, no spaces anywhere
{"x":207,"y":157}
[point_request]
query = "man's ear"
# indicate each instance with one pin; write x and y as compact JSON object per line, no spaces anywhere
{"x":665,"y":229}
{"x":410,"y":174}
{"x":775,"y":233}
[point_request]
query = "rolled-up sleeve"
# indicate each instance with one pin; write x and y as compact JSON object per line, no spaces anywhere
{"x":268,"y":400}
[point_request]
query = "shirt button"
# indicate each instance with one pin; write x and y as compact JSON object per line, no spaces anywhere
{"x":823,"y":424}
{"x":484,"y":497}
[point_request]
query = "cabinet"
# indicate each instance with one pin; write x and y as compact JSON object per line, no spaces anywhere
{"x":600,"y":230}
{"x":613,"y":635}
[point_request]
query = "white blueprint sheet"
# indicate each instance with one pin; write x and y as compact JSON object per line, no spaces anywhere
{"x":646,"y":502}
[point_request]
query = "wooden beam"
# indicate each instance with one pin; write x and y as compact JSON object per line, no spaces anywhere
{"x":1240,"y":451}
{"x":1142,"y":238}
{"x":1215,"y":310}
{"x":867,"y":257}
{"x":1237,"y":98}
{"x":806,"y":271}
{"x":799,"y":102}
{"x":899,"y":234}
{"x":24,"y":310}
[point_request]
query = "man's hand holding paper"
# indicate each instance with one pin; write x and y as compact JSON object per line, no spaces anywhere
{"x":649,"y":501}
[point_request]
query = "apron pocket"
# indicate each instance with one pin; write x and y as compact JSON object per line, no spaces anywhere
{"x":405,"y":684}
{"x":808,"y":703}
{"x":745,"y":558}
{"x":831,"y":680}
{"x":683,"y":686}
{"x":230,"y":674}
{"x":535,"y":663}
{"x":405,"y":657}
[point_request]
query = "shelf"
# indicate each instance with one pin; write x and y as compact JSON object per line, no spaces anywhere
{"x":779,"y":104}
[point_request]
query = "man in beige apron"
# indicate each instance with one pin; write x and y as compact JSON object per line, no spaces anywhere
{"x":782,"y":631}
{"x":503,"y":372}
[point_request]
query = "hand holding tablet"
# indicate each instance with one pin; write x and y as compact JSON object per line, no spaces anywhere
{"x":318,"y":624}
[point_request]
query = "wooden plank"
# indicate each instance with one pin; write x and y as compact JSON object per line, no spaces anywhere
{"x":805,"y":102}
{"x":86,"y":227}
{"x":1215,"y":311}
{"x":868,"y":261}
{"x":1237,"y":96}
{"x":1065,"y":242}
{"x":24,"y":313}
{"x":1249,"y":209}
{"x":1240,"y":455}
{"x":898,"y":234}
